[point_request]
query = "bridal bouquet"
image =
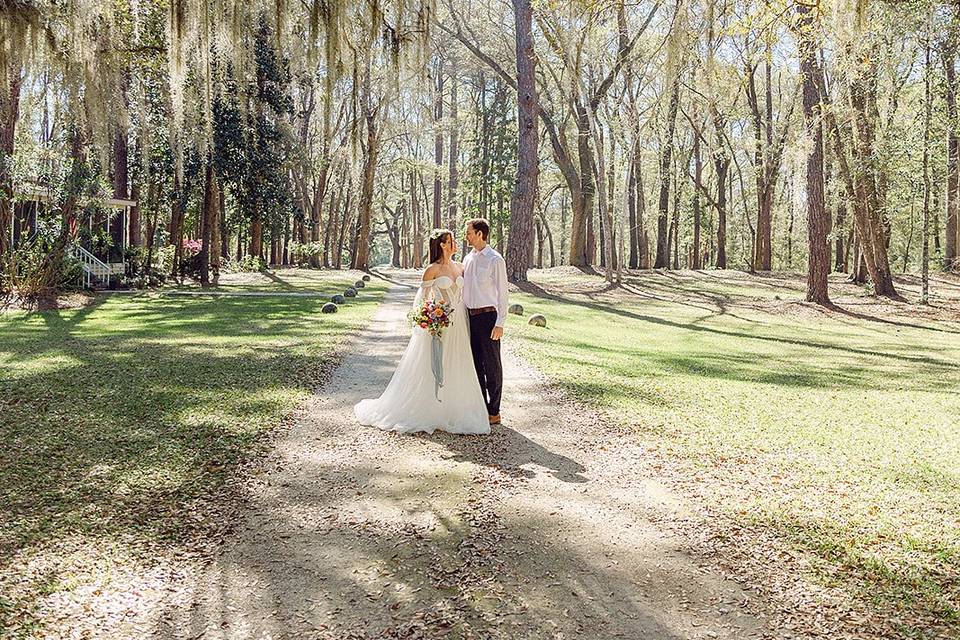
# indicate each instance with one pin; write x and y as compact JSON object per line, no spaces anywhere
{"x":432,"y":316}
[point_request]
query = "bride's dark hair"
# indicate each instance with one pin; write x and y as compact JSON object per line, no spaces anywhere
{"x":437,"y":238}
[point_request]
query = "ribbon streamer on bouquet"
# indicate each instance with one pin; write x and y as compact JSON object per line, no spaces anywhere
{"x":437,"y":365}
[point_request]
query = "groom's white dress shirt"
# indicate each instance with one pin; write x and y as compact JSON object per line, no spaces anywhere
{"x":485,"y":282}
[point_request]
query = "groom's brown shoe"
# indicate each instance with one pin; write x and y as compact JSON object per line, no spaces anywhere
{"x":495,"y":419}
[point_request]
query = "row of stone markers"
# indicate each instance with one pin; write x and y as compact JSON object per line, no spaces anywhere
{"x":349,"y":292}
{"x":537,"y":319}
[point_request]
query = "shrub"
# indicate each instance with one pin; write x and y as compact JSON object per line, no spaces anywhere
{"x":136,"y":273}
{"x":163,"y":258}
{"x":40,"y":267}
{"x":303,"y":253}
{"x":249,"y":263}
{"x":191,"y":248}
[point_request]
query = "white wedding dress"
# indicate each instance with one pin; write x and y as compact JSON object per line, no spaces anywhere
{"x":412,"y":401}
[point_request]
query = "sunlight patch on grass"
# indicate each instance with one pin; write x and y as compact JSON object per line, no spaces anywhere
{"x":118,"y":415}
{"x":839,"y":433}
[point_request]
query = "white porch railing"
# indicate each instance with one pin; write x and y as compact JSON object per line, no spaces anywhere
{"x":93,"y":267}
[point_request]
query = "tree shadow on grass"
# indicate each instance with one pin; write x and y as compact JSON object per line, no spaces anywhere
{"x":781,"y":370}
{"x":407,"y":280}
{"x":535,"y":290}
{"x":848,"y":310}
{"x":277,"y":280}
{"x":115,"y":422}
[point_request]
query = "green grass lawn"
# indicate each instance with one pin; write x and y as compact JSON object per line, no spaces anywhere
{"x":840,"y":433}
{"x":119,"y":421}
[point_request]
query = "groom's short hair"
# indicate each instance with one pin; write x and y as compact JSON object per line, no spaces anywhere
{"x":481,"y":226}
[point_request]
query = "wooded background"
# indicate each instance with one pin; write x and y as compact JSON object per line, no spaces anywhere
{"x":694,"y":134}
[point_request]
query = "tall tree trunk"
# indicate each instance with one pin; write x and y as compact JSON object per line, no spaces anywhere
{"x":609,"y":235}
{"x":697,"y":263}
{"x":859,"y":177}
{"x":643,"y":250}
{"x":438,"y":148}
{"x":606,"y":219}
{"x":666,"y":157}
{"x":69,"y":218}
{"x":835,"y":203}
{"x":927,"y":115}
{"x":675,"y":226}
{"x":542,"y":220}
{"x":874,"y":239}
{"x":632,"y":192}
{"x":563,"y":224}
{"x":953,"y":147}
{"x":721,"y":161}
{"x":768,"y":185}
{"x":519,"y":251}
{"x":256,"y":237}
{"x":501,"y":235}
{"x":818,"y":219}
{"x":121,"y":181}
{"x":216,"y":230}
{"x":361,"y":255}
{"x":405,"y":242}
{"x":453,"y":182}
{"x":415,"y":214}
{"x":588,"y":184}
{"x":316,"y":211}
{"x":223,"y":231}
{"x":345,"y":223}
{"x":721,"y":165}
{"x":177,"y":223}
{"x":134,"y":221}
{"x":633,"y":261}
{"x":205,"y":235}
{"x":9,"y":115}
{"x":334,"y":222}
{"x":210,"y":237}
{"x":484,"y":135}
{"x":762,"y":160}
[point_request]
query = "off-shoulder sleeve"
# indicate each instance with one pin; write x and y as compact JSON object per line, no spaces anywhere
{"x":425,"y":292}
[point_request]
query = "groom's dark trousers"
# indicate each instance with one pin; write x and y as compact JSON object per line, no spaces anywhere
{"x":486,"y":356}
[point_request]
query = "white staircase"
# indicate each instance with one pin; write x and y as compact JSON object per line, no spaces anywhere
{"x":94,"y":269}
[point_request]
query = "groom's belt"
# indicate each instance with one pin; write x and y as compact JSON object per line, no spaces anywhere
{"x":476,"y":312}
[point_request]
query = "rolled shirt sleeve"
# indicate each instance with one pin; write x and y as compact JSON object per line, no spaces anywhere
{"x":500,"y":281}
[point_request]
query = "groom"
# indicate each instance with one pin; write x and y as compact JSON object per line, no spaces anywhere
{"x":485,"y":297}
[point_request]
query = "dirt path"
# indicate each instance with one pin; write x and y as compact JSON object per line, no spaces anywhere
{"x":544,"y":529}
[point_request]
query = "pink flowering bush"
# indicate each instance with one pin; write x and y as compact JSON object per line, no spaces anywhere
{"x":191,"y":247}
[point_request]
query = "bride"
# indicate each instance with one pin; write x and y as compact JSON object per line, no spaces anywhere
{"x":412,"y":400}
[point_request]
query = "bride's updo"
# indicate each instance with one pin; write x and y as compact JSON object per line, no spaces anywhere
{"x":437,"y":238}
